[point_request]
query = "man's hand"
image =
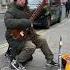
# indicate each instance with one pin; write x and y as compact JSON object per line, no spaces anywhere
{"x":22,"y":33}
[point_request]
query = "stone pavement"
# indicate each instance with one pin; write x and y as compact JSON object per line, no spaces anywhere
{"x":38,"y":63}
{"x":52,"y":36}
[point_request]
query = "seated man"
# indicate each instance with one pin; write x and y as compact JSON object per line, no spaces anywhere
{"x":21,"y":37}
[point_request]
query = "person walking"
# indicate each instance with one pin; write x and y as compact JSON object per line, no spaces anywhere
{"x":67,"y":6}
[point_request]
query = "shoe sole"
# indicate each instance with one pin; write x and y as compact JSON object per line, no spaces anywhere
{"x":14,"y":66}
{"x":20,"y":68}
{"x":51,"y":65}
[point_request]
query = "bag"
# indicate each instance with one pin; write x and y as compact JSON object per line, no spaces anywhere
{"x":66,"y":61}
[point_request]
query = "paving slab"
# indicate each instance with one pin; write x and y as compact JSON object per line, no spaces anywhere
{"x":38,"y":62}
{"x":52,"y":36}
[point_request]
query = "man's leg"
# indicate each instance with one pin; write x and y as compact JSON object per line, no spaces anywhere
{"x":26,"y":52}
{"x":67,"y":12}
{"x":42,"y":43}
{"x":24,"y":56}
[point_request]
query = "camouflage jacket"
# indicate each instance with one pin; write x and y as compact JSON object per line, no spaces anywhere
{"x":16,"y":16}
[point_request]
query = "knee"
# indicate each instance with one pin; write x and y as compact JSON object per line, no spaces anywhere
{"x":29,"y":46}
{"x":29,"y":51}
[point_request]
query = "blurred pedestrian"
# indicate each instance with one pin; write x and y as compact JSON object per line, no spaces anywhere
{"x":67,"y":5}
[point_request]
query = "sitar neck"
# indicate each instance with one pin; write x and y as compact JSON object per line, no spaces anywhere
{"x":38,"y":11}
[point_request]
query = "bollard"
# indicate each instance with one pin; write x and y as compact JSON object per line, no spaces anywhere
{"x":59,"y":55}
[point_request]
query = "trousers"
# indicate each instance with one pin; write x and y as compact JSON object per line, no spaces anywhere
{"x":30,"y":47}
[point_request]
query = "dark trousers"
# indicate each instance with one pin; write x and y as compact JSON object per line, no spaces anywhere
{"x":23,"y":50}
{"x":67,"y":12}
{"x":30,"y":47}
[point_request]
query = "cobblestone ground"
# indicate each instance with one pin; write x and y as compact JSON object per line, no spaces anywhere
{"x":38,"y":62}
{"x":52,"y":36}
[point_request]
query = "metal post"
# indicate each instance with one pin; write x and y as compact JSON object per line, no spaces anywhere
{"x":59,"y":55}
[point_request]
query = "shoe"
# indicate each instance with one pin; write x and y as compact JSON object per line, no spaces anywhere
{"x":14,"y":65}
{"x":7,"y":54}
{"x":52,"y":63}
{"x":17,"y":66}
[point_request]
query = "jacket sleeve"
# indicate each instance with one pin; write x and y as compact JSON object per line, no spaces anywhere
{"x":11,"y":22}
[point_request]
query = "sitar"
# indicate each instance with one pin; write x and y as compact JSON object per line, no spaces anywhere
{"x":20,"y":34}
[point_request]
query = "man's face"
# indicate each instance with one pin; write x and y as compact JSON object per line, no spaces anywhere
{"x":21,"y":2}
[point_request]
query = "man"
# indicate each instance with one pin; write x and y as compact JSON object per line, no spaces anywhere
{"x":67,"y":5}
{"x":21,"y":49}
